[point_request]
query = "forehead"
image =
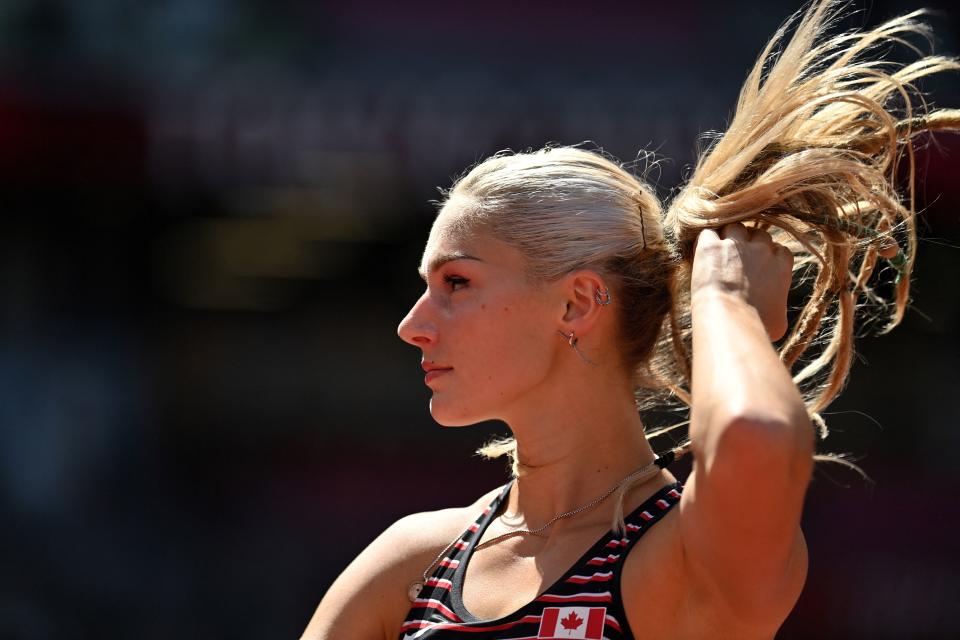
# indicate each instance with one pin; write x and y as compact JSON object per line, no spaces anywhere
{"x":452,"y":224}
{"x":454,"y":236}
{"x":451,"y":238}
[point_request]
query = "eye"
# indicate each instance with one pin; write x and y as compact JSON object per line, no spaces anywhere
{"x":455,"y":281}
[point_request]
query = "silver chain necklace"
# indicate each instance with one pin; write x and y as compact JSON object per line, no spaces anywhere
{"x":417,"y":586}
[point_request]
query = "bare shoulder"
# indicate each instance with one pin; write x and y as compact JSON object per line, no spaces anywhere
{"x":653,"y":582}
{"x":663,"y":597}
{"x":707,"y":606}
{"x":369,"y":599}
{"x":431,"y":531}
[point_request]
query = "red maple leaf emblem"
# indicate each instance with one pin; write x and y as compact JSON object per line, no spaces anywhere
{"x":572,"y":621}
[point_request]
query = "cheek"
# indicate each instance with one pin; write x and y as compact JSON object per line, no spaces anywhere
{"x":516,"y":343}
{"x":504,"y":351}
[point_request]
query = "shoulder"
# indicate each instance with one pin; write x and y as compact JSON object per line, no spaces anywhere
{"x":653,"y":582}
{"x":664,"y":597}
{"x":422,"y":536}
{"x":369,"y":599}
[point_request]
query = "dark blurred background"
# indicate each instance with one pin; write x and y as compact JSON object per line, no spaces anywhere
{"x":212,"y":213}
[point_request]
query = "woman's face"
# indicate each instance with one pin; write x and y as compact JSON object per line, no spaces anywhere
{"x":488,"y":335}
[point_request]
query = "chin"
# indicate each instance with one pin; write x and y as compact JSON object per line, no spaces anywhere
{"x":450,"y":417}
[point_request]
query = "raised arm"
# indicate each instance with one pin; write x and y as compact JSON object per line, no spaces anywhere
{"x":751,"y":437}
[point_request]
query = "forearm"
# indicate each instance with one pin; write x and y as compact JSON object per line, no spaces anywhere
{"x":738,"y":379}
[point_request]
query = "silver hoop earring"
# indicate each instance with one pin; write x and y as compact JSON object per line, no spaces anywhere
{"x":572,"y":340}
{"x":602,"y":298}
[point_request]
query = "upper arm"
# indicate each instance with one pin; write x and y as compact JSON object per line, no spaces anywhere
{"x":740,"y":521}
{"x":369,"y":598}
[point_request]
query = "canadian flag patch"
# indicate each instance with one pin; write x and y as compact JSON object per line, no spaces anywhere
{"x":572,"y":622}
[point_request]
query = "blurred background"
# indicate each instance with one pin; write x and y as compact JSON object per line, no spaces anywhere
{"x":212,"y":214}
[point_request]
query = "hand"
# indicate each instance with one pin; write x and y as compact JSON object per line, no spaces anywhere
{"x":746,"y":263}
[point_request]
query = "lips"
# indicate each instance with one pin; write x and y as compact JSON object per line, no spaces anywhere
{"x":434,"y":371}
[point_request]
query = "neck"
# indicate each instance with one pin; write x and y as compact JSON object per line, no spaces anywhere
{"x":567,"y":458}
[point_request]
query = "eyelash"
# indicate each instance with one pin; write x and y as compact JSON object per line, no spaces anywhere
{"x":453,"y":281}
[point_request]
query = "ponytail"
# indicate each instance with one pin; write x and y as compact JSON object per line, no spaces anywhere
{"x":813,"y":154}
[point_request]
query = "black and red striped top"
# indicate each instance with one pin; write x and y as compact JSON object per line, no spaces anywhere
{"x":584,"y":603}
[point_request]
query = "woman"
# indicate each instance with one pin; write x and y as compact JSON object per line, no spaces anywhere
{"x":559,"y":298}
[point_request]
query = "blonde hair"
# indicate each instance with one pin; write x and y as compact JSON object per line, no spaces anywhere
{"x":811,"y":154}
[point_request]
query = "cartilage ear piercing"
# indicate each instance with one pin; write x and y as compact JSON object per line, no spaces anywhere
{"x":602,"y":297}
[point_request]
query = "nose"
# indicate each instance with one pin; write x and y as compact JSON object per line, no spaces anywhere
{"x":417,"y":328}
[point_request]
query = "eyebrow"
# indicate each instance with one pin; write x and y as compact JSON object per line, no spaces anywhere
{"x":443,"y":259}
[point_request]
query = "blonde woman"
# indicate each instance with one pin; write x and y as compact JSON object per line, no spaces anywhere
{"x":560,"y":296}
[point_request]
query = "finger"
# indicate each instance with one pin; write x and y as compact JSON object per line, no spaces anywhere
{"x":735,"y":231}
{"x":781,"y":249}
{"x":711,"y":235}
{"x":781,"y":252}
{"x":762,"y":236}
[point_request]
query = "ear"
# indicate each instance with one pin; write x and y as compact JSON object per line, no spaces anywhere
{"x":581,"y":310}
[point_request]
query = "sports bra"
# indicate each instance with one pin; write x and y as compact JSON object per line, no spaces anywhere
{"x":584,"y":603}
